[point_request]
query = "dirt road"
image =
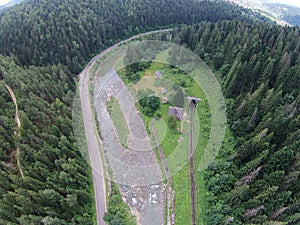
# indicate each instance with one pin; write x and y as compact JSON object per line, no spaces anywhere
{"x":18,"y":122}
{"x":93,"y":147}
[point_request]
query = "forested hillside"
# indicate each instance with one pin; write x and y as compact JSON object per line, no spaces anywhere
{"x":42,"y":32}
{"x":51,"y":184}
{"x":255,"y":179}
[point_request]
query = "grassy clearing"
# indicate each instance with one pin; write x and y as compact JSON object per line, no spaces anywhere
{"x":119,"y":121}
{"x":204,"y":120}
{"x":169,"y":139}
{"x":181,"y":179}
{"x":164,"y":133}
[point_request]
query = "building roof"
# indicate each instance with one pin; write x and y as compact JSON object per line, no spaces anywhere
{"x":177,"y":112}
{"x":193,"y":100}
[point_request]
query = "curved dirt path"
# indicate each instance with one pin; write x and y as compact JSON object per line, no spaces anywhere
{"x":18,"y":122}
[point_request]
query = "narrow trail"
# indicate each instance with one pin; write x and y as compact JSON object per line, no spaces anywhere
{"x":169,"y":189}
{"x":18,"y":122}
{"x":162,"y":155}
{"x":192,"y":175}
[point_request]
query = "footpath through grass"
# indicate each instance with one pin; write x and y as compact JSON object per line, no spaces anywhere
{"x":204,"y":120}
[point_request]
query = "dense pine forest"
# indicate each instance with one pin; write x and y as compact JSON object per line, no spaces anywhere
{"x":256,"y":181}
{"x":44,"y":44}
{"x":41,"y":32}
{"x":51,"y":185}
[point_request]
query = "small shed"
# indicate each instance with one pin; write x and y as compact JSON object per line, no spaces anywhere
{"x":177,"y":112}
{"x":194,"y":100}
{"x":158,"y":74}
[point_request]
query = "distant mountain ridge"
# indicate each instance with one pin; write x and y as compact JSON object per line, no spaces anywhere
{"x":282,"y":13}
{"x":9,"y":4}
{"x":290,"y":14}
